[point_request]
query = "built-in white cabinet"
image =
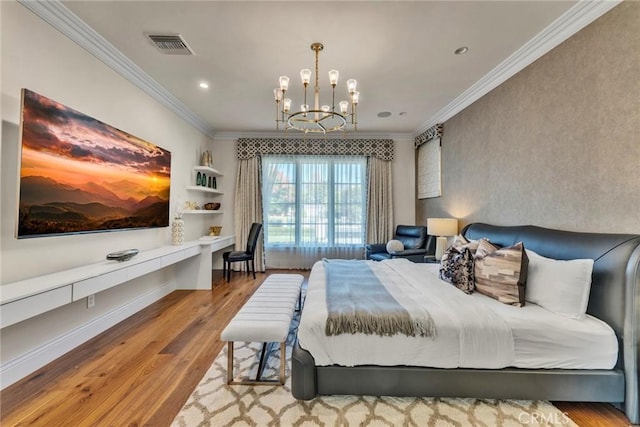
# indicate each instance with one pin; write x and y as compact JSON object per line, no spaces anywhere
{"x":31,"y":297}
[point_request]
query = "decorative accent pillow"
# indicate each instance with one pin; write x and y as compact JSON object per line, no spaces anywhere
{"x":456,"y":267}
{"x":394,"y":246}
{"x":484,"y":248}
{"x":559,"y":286}
{"x":460,"y":242}
{"x":502,"y":273}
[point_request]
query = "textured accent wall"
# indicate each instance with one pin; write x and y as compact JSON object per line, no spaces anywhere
{"x":557,"y":145}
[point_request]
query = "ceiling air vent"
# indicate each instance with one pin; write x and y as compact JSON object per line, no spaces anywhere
{"x":171,"y":44}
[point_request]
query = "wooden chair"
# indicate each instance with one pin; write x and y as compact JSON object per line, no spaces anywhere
{"x":247,"y":255}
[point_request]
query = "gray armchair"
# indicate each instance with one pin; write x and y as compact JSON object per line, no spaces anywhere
{"x":417,"y":243}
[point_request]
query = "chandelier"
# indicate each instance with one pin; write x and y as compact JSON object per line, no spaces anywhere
{"x":318,"y":119}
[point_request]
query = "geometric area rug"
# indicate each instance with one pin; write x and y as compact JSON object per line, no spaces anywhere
{"x":213,"y":403}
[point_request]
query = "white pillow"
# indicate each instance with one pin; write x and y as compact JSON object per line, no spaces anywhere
{"x":394,"y":246}
{"x":559,"y":286}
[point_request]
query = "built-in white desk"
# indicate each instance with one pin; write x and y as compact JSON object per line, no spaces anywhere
{"x":31,"y":297}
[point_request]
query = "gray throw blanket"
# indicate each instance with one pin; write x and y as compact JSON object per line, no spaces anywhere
{"x":357,"y":302}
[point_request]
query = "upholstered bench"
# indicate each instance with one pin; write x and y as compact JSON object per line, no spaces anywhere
{"x":265,"y":318}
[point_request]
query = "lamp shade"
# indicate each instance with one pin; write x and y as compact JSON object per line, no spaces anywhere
{"x":442,"y":226}
{"x":284,"y":82}
{"x":351,"y":85}
{"x":333,"y":77}
{"x":305,"y":76}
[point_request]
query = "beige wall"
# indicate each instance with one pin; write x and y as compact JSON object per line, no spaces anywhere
{"x":36,"y":56}
{"x":557,"y":145}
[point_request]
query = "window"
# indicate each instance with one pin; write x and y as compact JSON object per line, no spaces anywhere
{"x":314,"y":201}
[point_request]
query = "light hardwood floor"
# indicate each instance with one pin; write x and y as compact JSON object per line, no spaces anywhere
{"x":141,"y":371}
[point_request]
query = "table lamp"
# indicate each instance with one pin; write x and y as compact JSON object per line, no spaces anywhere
{"x":442,"y":227}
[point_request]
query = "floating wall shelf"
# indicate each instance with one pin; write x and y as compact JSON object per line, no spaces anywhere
{"x":208,"y":170}
{"x":200,"y":211}
{"x":204,"y":189}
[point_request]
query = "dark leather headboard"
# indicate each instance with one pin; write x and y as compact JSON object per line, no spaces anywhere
{"x":615,"y":293}
{"x":611,"y":253}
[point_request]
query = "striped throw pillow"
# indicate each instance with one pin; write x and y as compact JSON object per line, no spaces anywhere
{"x":502,"y":273}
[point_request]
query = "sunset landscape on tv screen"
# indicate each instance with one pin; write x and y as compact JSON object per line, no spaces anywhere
{"x":79,"y":175}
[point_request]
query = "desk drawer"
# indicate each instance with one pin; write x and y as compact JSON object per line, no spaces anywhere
{"x":84,"y":288}
{"x":143,"y":268}
{"x":17,"y":311}
{"x":193,"y":251}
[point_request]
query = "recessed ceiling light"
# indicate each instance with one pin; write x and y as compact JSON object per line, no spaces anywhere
{"x":461,"y":50}
{"x":204,"y":85}
{"x":384,"y":114}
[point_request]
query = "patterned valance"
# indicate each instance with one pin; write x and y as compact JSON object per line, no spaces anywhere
{"x":251,"y":147}
{"x":433,"y":132}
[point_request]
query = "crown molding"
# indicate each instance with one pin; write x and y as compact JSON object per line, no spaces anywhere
{"x":62,"y":19}
{"x":569,"y":23}
{"x":300,"y":135}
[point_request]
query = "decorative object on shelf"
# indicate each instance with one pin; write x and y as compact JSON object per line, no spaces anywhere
{"x":180,"y":207}
{"x":442,"y":227}
{"x":206,"y":159}
{"x":205,"y":179}
{"x":213,"y":206}
{"x":317,"y":119}
{"x":214,"y":230}
{"x":177,"y":231}
{"x":193,"y":206}
{"x":122,"y":256}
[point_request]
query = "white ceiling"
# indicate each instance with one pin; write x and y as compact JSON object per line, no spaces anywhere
{"x":400,"y":52}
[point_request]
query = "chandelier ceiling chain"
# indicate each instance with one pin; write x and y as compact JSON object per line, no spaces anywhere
{"x":317,"y":119}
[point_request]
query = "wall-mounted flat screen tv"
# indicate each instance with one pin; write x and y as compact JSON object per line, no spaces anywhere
{"x":80,"y":175}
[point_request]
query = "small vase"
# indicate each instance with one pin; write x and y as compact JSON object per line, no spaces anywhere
{"x":206,"y":159}
{"x":177,"y":231}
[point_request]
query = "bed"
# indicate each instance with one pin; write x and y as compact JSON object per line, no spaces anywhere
{"x":607,"y":373}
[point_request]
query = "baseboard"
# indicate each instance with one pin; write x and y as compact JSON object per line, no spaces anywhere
{"x":18,"y":368}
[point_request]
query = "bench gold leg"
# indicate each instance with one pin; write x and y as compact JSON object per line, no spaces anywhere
{"x":281,"y":379}
{"x":229,"y":362}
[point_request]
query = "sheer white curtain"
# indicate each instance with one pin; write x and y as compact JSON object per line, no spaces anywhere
{"x":379,"y":201}
{"x":248,"y":208}
{"x":314,"y":208}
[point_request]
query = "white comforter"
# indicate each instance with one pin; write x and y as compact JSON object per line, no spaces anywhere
{"x":541,"y":338}
{"x":468,"y":334}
